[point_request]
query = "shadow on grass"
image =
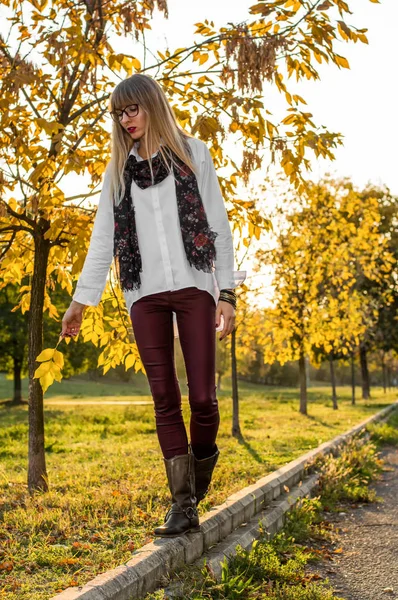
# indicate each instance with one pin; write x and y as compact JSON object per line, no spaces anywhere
{"x":249,"y":448}
{"x":18,"y":415}
{"x":320,"y":421}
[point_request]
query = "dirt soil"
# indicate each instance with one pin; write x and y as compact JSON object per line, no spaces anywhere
{"x":365,"y":556}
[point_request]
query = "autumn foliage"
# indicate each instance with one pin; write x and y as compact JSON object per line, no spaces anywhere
{"x":58,"y":67}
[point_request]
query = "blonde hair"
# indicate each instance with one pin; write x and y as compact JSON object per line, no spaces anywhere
{"x":161,"y":128}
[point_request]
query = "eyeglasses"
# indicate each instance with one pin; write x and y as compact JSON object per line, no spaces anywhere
{"x":131,"y":111}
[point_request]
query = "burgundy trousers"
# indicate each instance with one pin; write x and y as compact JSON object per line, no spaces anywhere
{"x":152,"y":321}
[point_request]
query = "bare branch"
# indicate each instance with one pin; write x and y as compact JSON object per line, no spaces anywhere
{"x":22,"y":217}
{"x":82,"y":110}
{"x":8,"y":245}
{"x":84,"y":196}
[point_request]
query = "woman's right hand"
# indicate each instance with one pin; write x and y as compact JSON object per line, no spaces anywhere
{"x":72,"y":320}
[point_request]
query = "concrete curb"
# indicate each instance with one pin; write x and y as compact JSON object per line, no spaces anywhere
{"x":144,"y":571}
{"x":270,"y":519}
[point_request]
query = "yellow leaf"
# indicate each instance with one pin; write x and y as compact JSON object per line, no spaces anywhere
{"x":57,"y":375}
{"x":344,"y":31}
{"x":341,"y":61}
{"x":136,"y":64}
{"x":130,"y":360}
{"x":363,"y":38}
{"x":106,"y":368}
{"x":270,"y":129}
{"x":58,"y":358}
{"x":46,"y":381}
{"x":46,"y":354}
{"x":43,"y":369}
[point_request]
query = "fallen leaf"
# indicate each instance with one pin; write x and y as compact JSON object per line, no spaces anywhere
{"x":68,"y":561}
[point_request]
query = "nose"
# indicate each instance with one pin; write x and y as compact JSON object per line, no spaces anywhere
{"x":125,"y":118}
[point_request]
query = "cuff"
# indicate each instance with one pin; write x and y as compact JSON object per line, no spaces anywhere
{"x":87,"y":296}
{"x":229,"y":279}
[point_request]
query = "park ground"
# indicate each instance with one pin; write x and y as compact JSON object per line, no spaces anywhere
{"x":339,"y":544}
{"x":106,"y":475}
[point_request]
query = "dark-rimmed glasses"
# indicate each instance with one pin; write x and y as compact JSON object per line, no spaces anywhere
{"x":131,"y":111}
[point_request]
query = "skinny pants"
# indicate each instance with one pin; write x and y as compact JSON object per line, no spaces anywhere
{"x":152,"y":321}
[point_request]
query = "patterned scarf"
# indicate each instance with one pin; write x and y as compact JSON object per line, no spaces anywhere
{"x":198,"y":238}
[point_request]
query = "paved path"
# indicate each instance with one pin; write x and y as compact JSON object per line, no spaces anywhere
{"x":367,"y":567}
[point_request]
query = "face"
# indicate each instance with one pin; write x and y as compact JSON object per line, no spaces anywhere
{"x":135,"y":126}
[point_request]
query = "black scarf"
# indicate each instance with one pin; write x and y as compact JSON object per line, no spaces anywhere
{"x":198,"y":238}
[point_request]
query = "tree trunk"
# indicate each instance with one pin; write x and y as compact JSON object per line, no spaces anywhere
{"x":219,"y":376}
{"x":389,"y":377}
{"x":17,"y":399}
{"x":333,"y":382}
{"x":364,"y":372}
{"x":37,"y":475}
{"x":383,"y":364}
{"x":236,"y":432}
{"x":353,"y":379}
{"x":303,"y":384}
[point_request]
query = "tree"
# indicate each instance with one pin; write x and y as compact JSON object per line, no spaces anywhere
{"x":54,"y":124}
{"x":382,"y":331}
{"x":13,"y":341}
{"x":331,"y":241}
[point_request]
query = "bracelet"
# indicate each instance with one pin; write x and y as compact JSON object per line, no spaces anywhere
{"x":231,"y":293}
{"x":229,"y":299}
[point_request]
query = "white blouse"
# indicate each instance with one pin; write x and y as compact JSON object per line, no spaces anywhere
{"x":164,"y":263}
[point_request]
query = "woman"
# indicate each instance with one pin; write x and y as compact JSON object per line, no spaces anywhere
{"x":162,"y":217}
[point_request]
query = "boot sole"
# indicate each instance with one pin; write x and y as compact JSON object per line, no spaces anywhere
{"x":173,"y":535}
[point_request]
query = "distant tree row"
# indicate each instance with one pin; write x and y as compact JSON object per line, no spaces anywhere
{"x":335,"y":261}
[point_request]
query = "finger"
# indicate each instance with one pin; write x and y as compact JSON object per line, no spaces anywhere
{"x":70,"y":332}
{"x":228,"y":328}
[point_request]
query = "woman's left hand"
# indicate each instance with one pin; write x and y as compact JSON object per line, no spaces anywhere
{"x":228,"y":312}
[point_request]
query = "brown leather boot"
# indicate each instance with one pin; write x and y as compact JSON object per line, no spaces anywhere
{"x":203,"y":473}
{"x":182,"y":517}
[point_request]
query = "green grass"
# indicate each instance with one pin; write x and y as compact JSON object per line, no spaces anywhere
{"x":347,"y":479}
{"x":385,"y":433}
{"x":106,"y":475}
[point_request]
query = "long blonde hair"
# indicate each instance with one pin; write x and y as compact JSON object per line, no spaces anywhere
{"x":161,"y":128}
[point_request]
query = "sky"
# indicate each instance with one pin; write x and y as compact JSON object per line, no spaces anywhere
{"x":360,"y":102}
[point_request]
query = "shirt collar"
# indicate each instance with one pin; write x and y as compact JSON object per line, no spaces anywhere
{"x":134,"y":150}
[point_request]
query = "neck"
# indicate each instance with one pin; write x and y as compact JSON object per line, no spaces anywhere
{"x":141,"y":149}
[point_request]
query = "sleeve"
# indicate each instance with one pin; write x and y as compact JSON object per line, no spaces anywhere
{"x":92,"y":280}
{"x":217,"y":216}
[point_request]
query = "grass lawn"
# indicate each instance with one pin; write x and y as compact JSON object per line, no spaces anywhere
{"x":106,"y":475}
